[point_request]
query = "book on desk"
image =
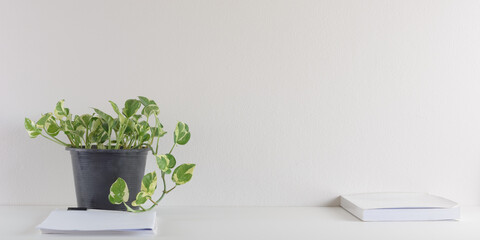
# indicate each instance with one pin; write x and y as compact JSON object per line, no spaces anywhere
{"x":400,"y":207}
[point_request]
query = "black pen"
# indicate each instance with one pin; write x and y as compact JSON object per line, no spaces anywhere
{"x":77,"y":209}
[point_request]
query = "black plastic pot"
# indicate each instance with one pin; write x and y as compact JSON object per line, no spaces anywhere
{"x":95,"y":170}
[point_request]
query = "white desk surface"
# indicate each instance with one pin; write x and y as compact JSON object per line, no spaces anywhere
{"x":226,"y":223}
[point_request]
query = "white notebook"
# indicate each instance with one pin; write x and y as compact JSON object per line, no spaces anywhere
{"x":400,"y":207}
{"x":98,"y":221}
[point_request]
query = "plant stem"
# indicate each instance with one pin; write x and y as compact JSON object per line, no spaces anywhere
{"x":156,"y":149}
{"x":117,"y":144}
{"x":81,"y":141}
{"x":163,"y":193}
{"x":70,"y":139}
{"x":151,"y":148}
{"x":158,"y":138}
{"x":86,"y":137}
{"x":151,"y":140}
{"x":171,"y":189}
{"x":154,"y":203}
{"x":58,"y":142}
{"x":172,"y":148}
{"x":164,"y":183}
{"x":131,"y":142}
{"x":131,"y":209}
{"x":109,"y":137}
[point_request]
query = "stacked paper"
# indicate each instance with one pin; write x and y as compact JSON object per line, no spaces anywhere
{"x":98,"y":221}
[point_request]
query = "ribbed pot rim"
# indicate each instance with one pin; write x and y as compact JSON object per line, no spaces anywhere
{"x":107,"y":150}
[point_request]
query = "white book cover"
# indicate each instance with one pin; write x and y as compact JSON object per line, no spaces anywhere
{"x":98,"y":221}
{"x":399,"y":207}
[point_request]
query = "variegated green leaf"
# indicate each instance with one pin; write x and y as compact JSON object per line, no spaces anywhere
{"x":130,"y":127}
{"x":76,"y":122}
{"x":51,"y":127}
{"x":171,"y":160}
{"x":118,"y":192}
{"x":41,"y":122}
{"x":115,"y":107}
{"x":96,"y":124}
{"x":183,"y":173}
{"x":140,"y":199}
{"x":116,"y":124}
{"x":165,"y":162}
{"x":150,"y":107}
{"x":85,"y":120}
{"x":103,"y":137}
{"x":79,"y":132}
{"x":145,"y":101}
{"x":131,"y":107}
{"x":182,"y":133}
{"x":96,"y":137}
{"x":136,"y":117}
{"x":60,"y":111}
{"x":66,"y":126}
{"x":80,"y":128}
{"x":31,"y":128}
{"x":158,"y":131}
{"x":76,"y":138}
{"x":151,"y":110}
{"x":117,"y":110}
{"x":145,"y":138}
{"x":149,"y":183}
{"x":93,"y":137}
{"x":162,"y":162}
{"x":105,"y":126}
{"x":107,"y":118}
{"x":142,"y":128}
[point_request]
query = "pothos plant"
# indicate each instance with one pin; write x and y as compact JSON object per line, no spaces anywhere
{"x":130,"y":129}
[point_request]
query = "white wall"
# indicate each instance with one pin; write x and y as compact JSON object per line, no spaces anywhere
{"x":290,"y":103}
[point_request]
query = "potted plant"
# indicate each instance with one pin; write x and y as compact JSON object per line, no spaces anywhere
{"x":109,"y":152}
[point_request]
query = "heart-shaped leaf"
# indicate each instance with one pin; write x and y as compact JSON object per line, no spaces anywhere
{"x":181,"y":134}
{"x":121,"y":117}
{"x":149,"y":183}
{"x":131,"y":107}
{"x":130,"y":127}
{"x":183,"y":173}
{"x":51,"y":127}
{"x":41,"y":122}
{"x":145,"y":138}
{"x":142,"y":128}
{"x":31,"y":128}
{"x":118,"y":192}
{"x":165,"y":162}
{"x":140,"y":199}
{"x":151,"y":110}
{"x":136,"y":117}
{"x":158,"y":131}
{"x":107,"y":118}
{"x":60,"y":111}
{"x":85,"y":119}
{"x":145,"y":101}
{"x":77,"y":122}
{"x":171,"y":160}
